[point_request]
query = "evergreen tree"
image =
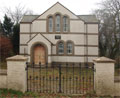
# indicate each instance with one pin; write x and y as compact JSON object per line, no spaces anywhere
{"x":15,"y":38}
{"x":1,"y":28}
{"x":7,"y":26}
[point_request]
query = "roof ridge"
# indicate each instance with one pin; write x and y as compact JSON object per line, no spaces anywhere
{"x":86,"y":15}
{"x":30,"y":15}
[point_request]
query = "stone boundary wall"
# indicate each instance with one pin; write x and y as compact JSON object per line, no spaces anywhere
{"x":117,"y":89}
{"x":104,"y":79}
{"x":3,"y":78}
{"x":15,"y":75}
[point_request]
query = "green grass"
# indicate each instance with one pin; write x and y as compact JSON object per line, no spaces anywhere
{"x":5,"y":93}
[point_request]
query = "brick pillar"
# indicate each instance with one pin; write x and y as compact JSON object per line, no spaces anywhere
{"x":104,"y":76}
{"x":16,"y":73}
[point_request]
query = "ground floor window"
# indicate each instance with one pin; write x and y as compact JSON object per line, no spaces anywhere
{"x":60,"y":48}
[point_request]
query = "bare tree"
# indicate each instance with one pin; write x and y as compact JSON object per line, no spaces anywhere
{"x":109,"y":28}
{"x":18,"y":13}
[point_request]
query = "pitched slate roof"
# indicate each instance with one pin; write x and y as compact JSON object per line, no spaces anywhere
{"x":86,"y":18}
{"x":29,"y":18}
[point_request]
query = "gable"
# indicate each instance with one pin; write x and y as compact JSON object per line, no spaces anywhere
{"x":39,"y":38}
{"x":58,"y":8}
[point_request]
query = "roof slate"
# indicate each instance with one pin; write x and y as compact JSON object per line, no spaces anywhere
{"x":29,"y":18}
{"x":86,"y":18}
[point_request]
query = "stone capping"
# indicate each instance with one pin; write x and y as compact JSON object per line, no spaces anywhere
{"x":17,"y":58}
{"x":104,"y":60}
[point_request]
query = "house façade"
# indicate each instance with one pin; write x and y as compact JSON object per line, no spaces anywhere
{"x":58,"y":35}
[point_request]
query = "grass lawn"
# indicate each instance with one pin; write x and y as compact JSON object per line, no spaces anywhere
{"x":4,"y":93}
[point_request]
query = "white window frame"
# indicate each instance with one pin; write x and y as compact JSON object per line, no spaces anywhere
{"x":61,"y":48}
{"x":69,"y":48}
{"x":65,"y":24}
{"x":58,"y":23}
{"x":50,"y":24}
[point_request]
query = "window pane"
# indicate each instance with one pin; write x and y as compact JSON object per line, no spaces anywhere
{"x":65,"y":24}
{"x":57,"y":23}
{"x":50,"y":24}
{"x":69,"y":48}
{"x":61,"y":48}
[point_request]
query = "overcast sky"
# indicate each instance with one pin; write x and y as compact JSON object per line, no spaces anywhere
{"x":78,"y":7}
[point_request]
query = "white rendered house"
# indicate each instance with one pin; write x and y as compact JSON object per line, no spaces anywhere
{"x":58,"y":35}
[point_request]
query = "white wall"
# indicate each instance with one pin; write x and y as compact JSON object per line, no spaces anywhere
{"x":90,"y":59}
{"x":24,"y":38}
{"x":77,"y":26}
{"x":78,"y":50}
{"x":58,"y":8}
{"x":76,"y":38}
{"x":92,"y":28}
{"x":39,"y":26}
{"x":53,"y":49}
{"x":92,"y":39}
{"x":25,"y":27}
{"x":23,"y":49}
{"x":92,"y":50}
{"x":67,"y":59}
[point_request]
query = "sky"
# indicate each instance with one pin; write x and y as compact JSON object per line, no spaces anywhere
{"x":79,"y":7}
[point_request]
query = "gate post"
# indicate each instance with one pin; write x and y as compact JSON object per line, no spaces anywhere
{"x":16,"y":73}
{"x":104,"y":76}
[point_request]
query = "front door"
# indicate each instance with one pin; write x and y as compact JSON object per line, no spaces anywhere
{"x":39,"y":54}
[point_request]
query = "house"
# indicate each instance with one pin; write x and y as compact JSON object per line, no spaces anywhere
{"x":58,"y":35}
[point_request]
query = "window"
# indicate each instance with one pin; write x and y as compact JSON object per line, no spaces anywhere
{"x":65,"y":24}
{"x":60,"y":48}
{"x":57,"y":23}
{"x":69,"y":47}
{"x":50,"y":24}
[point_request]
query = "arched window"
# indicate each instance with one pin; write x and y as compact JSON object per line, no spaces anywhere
{"x":69,"y":48}
{"x":50,"y":24}
{"x":65,"y":24}
{"x":57,"y":23}
{"x":60,"y":48}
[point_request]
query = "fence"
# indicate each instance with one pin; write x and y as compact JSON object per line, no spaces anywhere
{"x":69,"y":79}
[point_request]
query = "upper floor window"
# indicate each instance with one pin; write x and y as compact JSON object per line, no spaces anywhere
{"x":65,"y":24}
{"x":69,"y":47}
{"x":50,"y":24}
{"x":57,"y":23}
{"x":60,"y":48}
